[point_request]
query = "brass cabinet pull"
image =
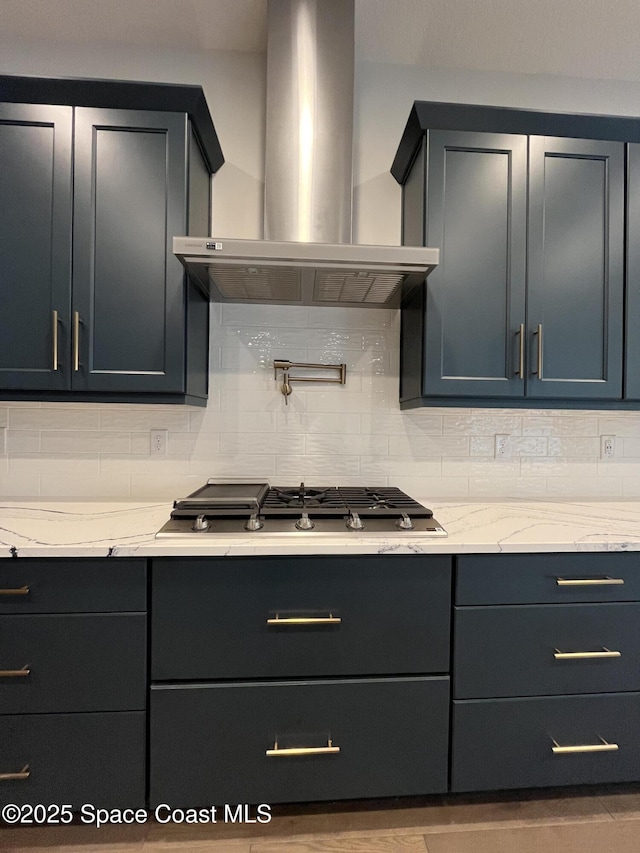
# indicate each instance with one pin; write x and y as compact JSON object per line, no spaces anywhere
{"x":589,"y":581}
{"x":22,"y":774}
{"x":604,"y":746}
{"x":538,"y":370}
{"x":55,"y":340}
{"x":21,"y":590}
{"x":605,"y":653}
{"x":304,"y":620}
{"x":15,"y":673}
{"x":329,"y":749}
{"x":520,"y":370}
{"x":76,"y":341}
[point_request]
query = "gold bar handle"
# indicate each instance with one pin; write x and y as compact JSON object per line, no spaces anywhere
{"x":15,"y":673}
{"x":22,"y":774}
{"x":589,"y":581}
{"x":538,"y":370}
{"x":587,"y":747}
{"x":55,"y":340}
{"x":520,"y":370}
{"x":76,"y":341}
{"x":304,"y":620}
{"x":605,"y":653}
{"x":21,"y":590}
{"x":277,"y":752}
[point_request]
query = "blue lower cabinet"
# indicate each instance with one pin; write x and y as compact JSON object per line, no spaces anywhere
{"x":547,"y":741}
{"x":272,"y":742}
{"x":73,"y":759}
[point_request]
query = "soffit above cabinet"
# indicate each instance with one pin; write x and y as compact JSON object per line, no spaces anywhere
{"x":435,"y":115}
{"x":122,"y":95}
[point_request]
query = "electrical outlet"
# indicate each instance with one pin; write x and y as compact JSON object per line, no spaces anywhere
{"x":159,"y":441}
{"x":502,"y":448}
{"x":607,"y":446}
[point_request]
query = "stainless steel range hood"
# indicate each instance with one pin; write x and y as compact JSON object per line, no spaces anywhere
{"x":304,"y":273}
{"x":307,"y":257}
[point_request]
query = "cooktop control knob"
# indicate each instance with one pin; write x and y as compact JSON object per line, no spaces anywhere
{"x":201,"y":523}
{"x":304,"y":522}
{"x":405,"y":522}
{"x":354,"y":522}
{"x":254,"y":522}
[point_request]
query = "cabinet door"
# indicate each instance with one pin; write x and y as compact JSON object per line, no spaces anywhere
{"x":476,"y":215}
{"x":576,"y":268}
{"x":632,"y":355}
{"x":35,"y":246}
{"x":128,"y":288}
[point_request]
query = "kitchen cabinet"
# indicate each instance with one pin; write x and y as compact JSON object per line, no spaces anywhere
{"x":632,"y":355}
{"x":546,"y":688}
{"x":73,"y":681}
{"x":527,"y":301}
{"x":96,"y":306}
{"x":319,"y":678}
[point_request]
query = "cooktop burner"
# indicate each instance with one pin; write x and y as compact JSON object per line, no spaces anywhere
{"x":258,"y":508}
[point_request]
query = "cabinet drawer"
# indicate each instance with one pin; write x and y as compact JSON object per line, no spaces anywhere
{"x":547,"y":578}
{"x":507,"y":743}
{"x":94,"y":662}
{"x":209,"y":743}
{"x":72,"y":585}
{"x":74,"y":758}
{"x":524,"y":651}
{"x":389,"y":615}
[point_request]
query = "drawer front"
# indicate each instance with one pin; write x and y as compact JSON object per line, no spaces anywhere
{"x":377,"y":615}
{"x":74,"y":758}
{"x":527,"y":651}
{"x":209,"y":743}
{"x":94,"y":662}
{"x":72,"y":585}
{"x":508,"y":743}
{"x":547,"y":578}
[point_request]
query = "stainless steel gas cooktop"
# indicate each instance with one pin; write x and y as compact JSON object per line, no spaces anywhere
{"x":233,"y":509}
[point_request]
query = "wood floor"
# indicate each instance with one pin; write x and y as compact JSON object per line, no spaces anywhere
{"x":586,"y":820}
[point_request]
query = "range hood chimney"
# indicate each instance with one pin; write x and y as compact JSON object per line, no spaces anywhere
{"x":307,"y":257}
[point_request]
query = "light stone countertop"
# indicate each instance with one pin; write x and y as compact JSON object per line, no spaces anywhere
{"x":127,"y":529}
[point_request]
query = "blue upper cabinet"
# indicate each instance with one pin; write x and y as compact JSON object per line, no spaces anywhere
{"x":93,"y":303}
{"x":527,"y":302}
{"x":35,"y":245}
{"x":575,"y":279}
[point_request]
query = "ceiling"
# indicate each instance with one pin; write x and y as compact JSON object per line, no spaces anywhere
{"x":581,"y":38}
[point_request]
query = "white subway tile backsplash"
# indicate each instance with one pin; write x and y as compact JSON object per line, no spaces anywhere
{"x":354,"y":434}
{"x":84,"y":441}
{"x":251,"y":442}
{"x":318,"y":444}
{"x":574,"y":446}
{"x":27,"y":440}
{"x":59,"y":419}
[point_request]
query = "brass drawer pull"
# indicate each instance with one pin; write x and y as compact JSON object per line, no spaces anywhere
{"x":329,"y":749}
{"x":604,"y":746}
{"x":589,"y":581}
{"x":15,"y":673}
{"x":22,"y":774}
{"x":605,"y":653}
{"x":538,"y":369}
{"x":22,"y":590}
{"x":305,"y":620}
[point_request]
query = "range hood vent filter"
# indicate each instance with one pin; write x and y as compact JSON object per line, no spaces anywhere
{"x":255,"y":284}
{"x":365,"y":288}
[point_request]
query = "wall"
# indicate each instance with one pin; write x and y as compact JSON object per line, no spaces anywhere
{"x":327,"y":434}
